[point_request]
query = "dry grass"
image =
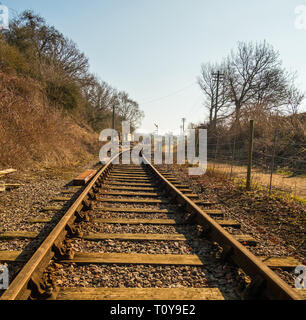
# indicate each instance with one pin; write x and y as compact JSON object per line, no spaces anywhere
{"x":34,"y":134}
{"x":292,"y":185}
{"x":296,"y":186}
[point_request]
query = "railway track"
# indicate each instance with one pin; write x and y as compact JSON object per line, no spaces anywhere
{"x":137,"y":233}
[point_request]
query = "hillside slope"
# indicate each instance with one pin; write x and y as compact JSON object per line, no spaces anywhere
{"x":32,"y":133}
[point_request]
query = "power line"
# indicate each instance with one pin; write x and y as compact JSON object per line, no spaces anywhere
{"x":169,"y":95}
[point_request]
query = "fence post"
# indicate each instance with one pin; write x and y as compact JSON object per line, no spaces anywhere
{"x":251,"y":136}
{"x":272,"y":160}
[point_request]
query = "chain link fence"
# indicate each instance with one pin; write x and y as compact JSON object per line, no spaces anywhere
{"x":268,"y":170}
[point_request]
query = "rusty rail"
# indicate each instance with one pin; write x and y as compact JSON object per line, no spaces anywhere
{"x":265,"y":283}
{"x":29,"y":283}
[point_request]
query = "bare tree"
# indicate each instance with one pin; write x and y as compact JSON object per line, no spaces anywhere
{"x":208,"y":85}
{"x":30,"y":33}
{"x":100,"y":94}
{"x":254,"y":76}
{"x":128,"y":109}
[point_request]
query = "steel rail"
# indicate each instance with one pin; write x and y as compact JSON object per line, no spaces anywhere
{"x":266,"y":283}
{"x":22,"y":286}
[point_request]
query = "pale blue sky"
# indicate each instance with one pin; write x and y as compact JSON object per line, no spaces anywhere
{"x":153,"y":49}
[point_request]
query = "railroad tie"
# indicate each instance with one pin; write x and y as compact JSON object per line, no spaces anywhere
{"x":139,"y":294}
{"x":285,"y":263}
{"x":127,"y":186}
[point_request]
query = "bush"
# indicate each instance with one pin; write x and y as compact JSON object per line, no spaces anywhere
{"x":11,"y":59}
{"x":65,"y":94}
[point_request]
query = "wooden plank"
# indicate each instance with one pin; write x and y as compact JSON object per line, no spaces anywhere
{"x":245,"y":239}
{"x":118,"y":183}
{"x":68,"y":191}
{"x":9,"y":235}
{"x":129,"y":181}
{"x":185,"y":190}
{"x":135,"y":258}
{"x":285,"y":263}
{"x":128,"y":178}
{"x":134,"y":236}
{"x":136,"y":221}
{"x":39,"y":220}
{"x":59,"y":199}
{"x":191,"y":195}
{"x":179,"y":185}
{"x":214,"y":213}
{"x":8,"y":186}
{"x":139,"y":294}
{"x":135,"y":175}
{"x":115,"y":221}
{"x":129,"y":172}
{"x":128,"y":200}
{"x":11,"y":256}
{"x":84,"y":177}
{"x":140,"y":210}
{"x":229,"y":223}
{"x":7,"y":171}
{"x":52,"y":208}
{"x":204,"y":203}
{"x":114,"y":193}
{"x":127,"y":166}
{"x":132,"y":188}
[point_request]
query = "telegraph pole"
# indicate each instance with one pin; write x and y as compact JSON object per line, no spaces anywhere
{"x":217,"y":77}
{"x":113,"y":118}
{"x":156,"y":126}
{"x":183,"y":119}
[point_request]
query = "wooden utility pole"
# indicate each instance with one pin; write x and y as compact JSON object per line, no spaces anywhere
{"x":183,"y":119}
{"x":250,"y":155}
{"x":113,"y":118}
{"x":217,"y":77}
